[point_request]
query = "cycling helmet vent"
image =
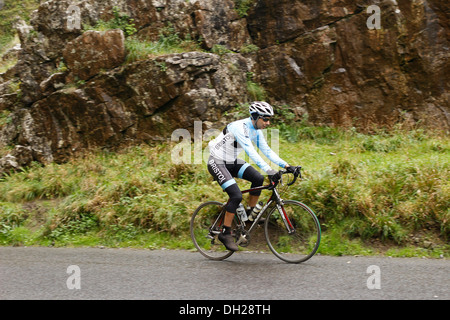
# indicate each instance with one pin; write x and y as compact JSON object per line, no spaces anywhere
{"x":261,"y":108}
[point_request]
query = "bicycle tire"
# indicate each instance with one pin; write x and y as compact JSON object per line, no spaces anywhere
{"x":207,"y":243}
{"x":303,"y":243}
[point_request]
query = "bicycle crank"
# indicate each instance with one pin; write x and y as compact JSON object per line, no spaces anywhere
{"x":244,"y":239}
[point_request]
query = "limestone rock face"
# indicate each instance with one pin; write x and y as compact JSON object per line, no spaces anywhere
{"x":323,"y":57}
{"x":72,"y":90}
{"x":219,"y":24}
{"x":93,"y":51}
{"x":144,"y":101}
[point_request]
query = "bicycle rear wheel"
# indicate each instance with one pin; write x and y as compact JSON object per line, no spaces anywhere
{"x":304,"y":240}
{"x":206,"y":224}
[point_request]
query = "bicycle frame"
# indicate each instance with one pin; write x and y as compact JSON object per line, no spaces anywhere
{"x":275,"y":197}
{"x":279,"y":206}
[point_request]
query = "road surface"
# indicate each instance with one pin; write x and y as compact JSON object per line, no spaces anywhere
{"x":94,"y":273}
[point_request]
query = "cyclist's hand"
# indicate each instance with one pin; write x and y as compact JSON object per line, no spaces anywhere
{"x":293,"y":169}
{"x":274,"y":175}
{"x":290,"y":169}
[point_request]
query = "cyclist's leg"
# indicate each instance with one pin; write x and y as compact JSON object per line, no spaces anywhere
{"x":245,"y":171}
{"x":226,"y":237}
{"x":219,"y":171}
{"x":235,"y":195}
{"x":252,"y":201}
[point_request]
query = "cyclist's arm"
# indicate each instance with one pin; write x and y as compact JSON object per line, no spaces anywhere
{"x":242,"y":137}
{"x":268,"y":152}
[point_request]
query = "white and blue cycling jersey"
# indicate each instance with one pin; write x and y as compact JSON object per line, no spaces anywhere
{"x":238,"y":136}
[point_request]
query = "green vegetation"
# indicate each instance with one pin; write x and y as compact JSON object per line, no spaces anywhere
{"x":255,"y":91}
{"x":120,"y":20}
{"x":169,"y":42}
{"x":8,"y":13}
{"x":220,"y":50}
{"x":8,"y":38}
{"x":384,"y":192}
{"x":249,"y":48}
{"x":8,"y":63}
{"x":243,"y":6}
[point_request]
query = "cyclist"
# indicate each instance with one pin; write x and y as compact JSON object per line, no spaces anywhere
{"x":223,"y":163}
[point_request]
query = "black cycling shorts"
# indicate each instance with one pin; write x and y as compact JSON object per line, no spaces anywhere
{"x":224,"y":173}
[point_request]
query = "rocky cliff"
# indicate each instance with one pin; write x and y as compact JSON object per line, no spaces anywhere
{"x":74,"y":89}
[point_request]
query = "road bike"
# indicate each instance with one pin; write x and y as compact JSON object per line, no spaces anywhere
{"x":291,"y":229}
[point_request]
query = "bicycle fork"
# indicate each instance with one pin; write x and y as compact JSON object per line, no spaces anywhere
{"x":287,"y":223}
{"x":285,"y":218}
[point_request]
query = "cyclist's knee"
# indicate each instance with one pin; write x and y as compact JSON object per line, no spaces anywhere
{"x":258,"y":180}
{"x":235,"y":195}
{"x":236,"y":198}
{"x":252,"y":175}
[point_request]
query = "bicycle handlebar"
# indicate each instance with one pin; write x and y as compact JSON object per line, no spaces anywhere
{"x":297,"y":173}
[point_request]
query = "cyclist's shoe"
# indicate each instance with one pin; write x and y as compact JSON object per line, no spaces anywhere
{"x":228,"y":241}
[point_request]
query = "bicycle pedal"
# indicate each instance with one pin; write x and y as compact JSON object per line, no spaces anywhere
{"x":243,"y":241}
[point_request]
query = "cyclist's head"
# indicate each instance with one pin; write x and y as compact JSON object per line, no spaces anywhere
{"x":260,"y":109}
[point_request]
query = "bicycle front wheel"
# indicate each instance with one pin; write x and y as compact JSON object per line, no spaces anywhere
{"x":206,"y":224}
{"x":296,"y":239}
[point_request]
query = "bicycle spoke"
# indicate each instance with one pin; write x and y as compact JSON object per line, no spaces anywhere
{"x":293,"y":234}
{"x":206,"y":223}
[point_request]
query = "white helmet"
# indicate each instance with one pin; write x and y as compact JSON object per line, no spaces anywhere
{"x":261,"y":108}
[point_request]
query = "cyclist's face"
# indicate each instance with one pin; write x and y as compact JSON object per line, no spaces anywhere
{"x":263,"y":122}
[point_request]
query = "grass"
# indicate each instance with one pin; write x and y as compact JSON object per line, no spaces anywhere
{"x":10,"y":10}
{"x":380,"y":189}
{"x":168,"y":41}
{"x":243,"y":6}
{"x":385,"y":192}
{"x":119,"y":20}
{"x":255,"y":91}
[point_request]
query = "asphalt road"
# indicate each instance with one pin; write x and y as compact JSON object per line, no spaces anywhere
{"x":93,"y":273}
